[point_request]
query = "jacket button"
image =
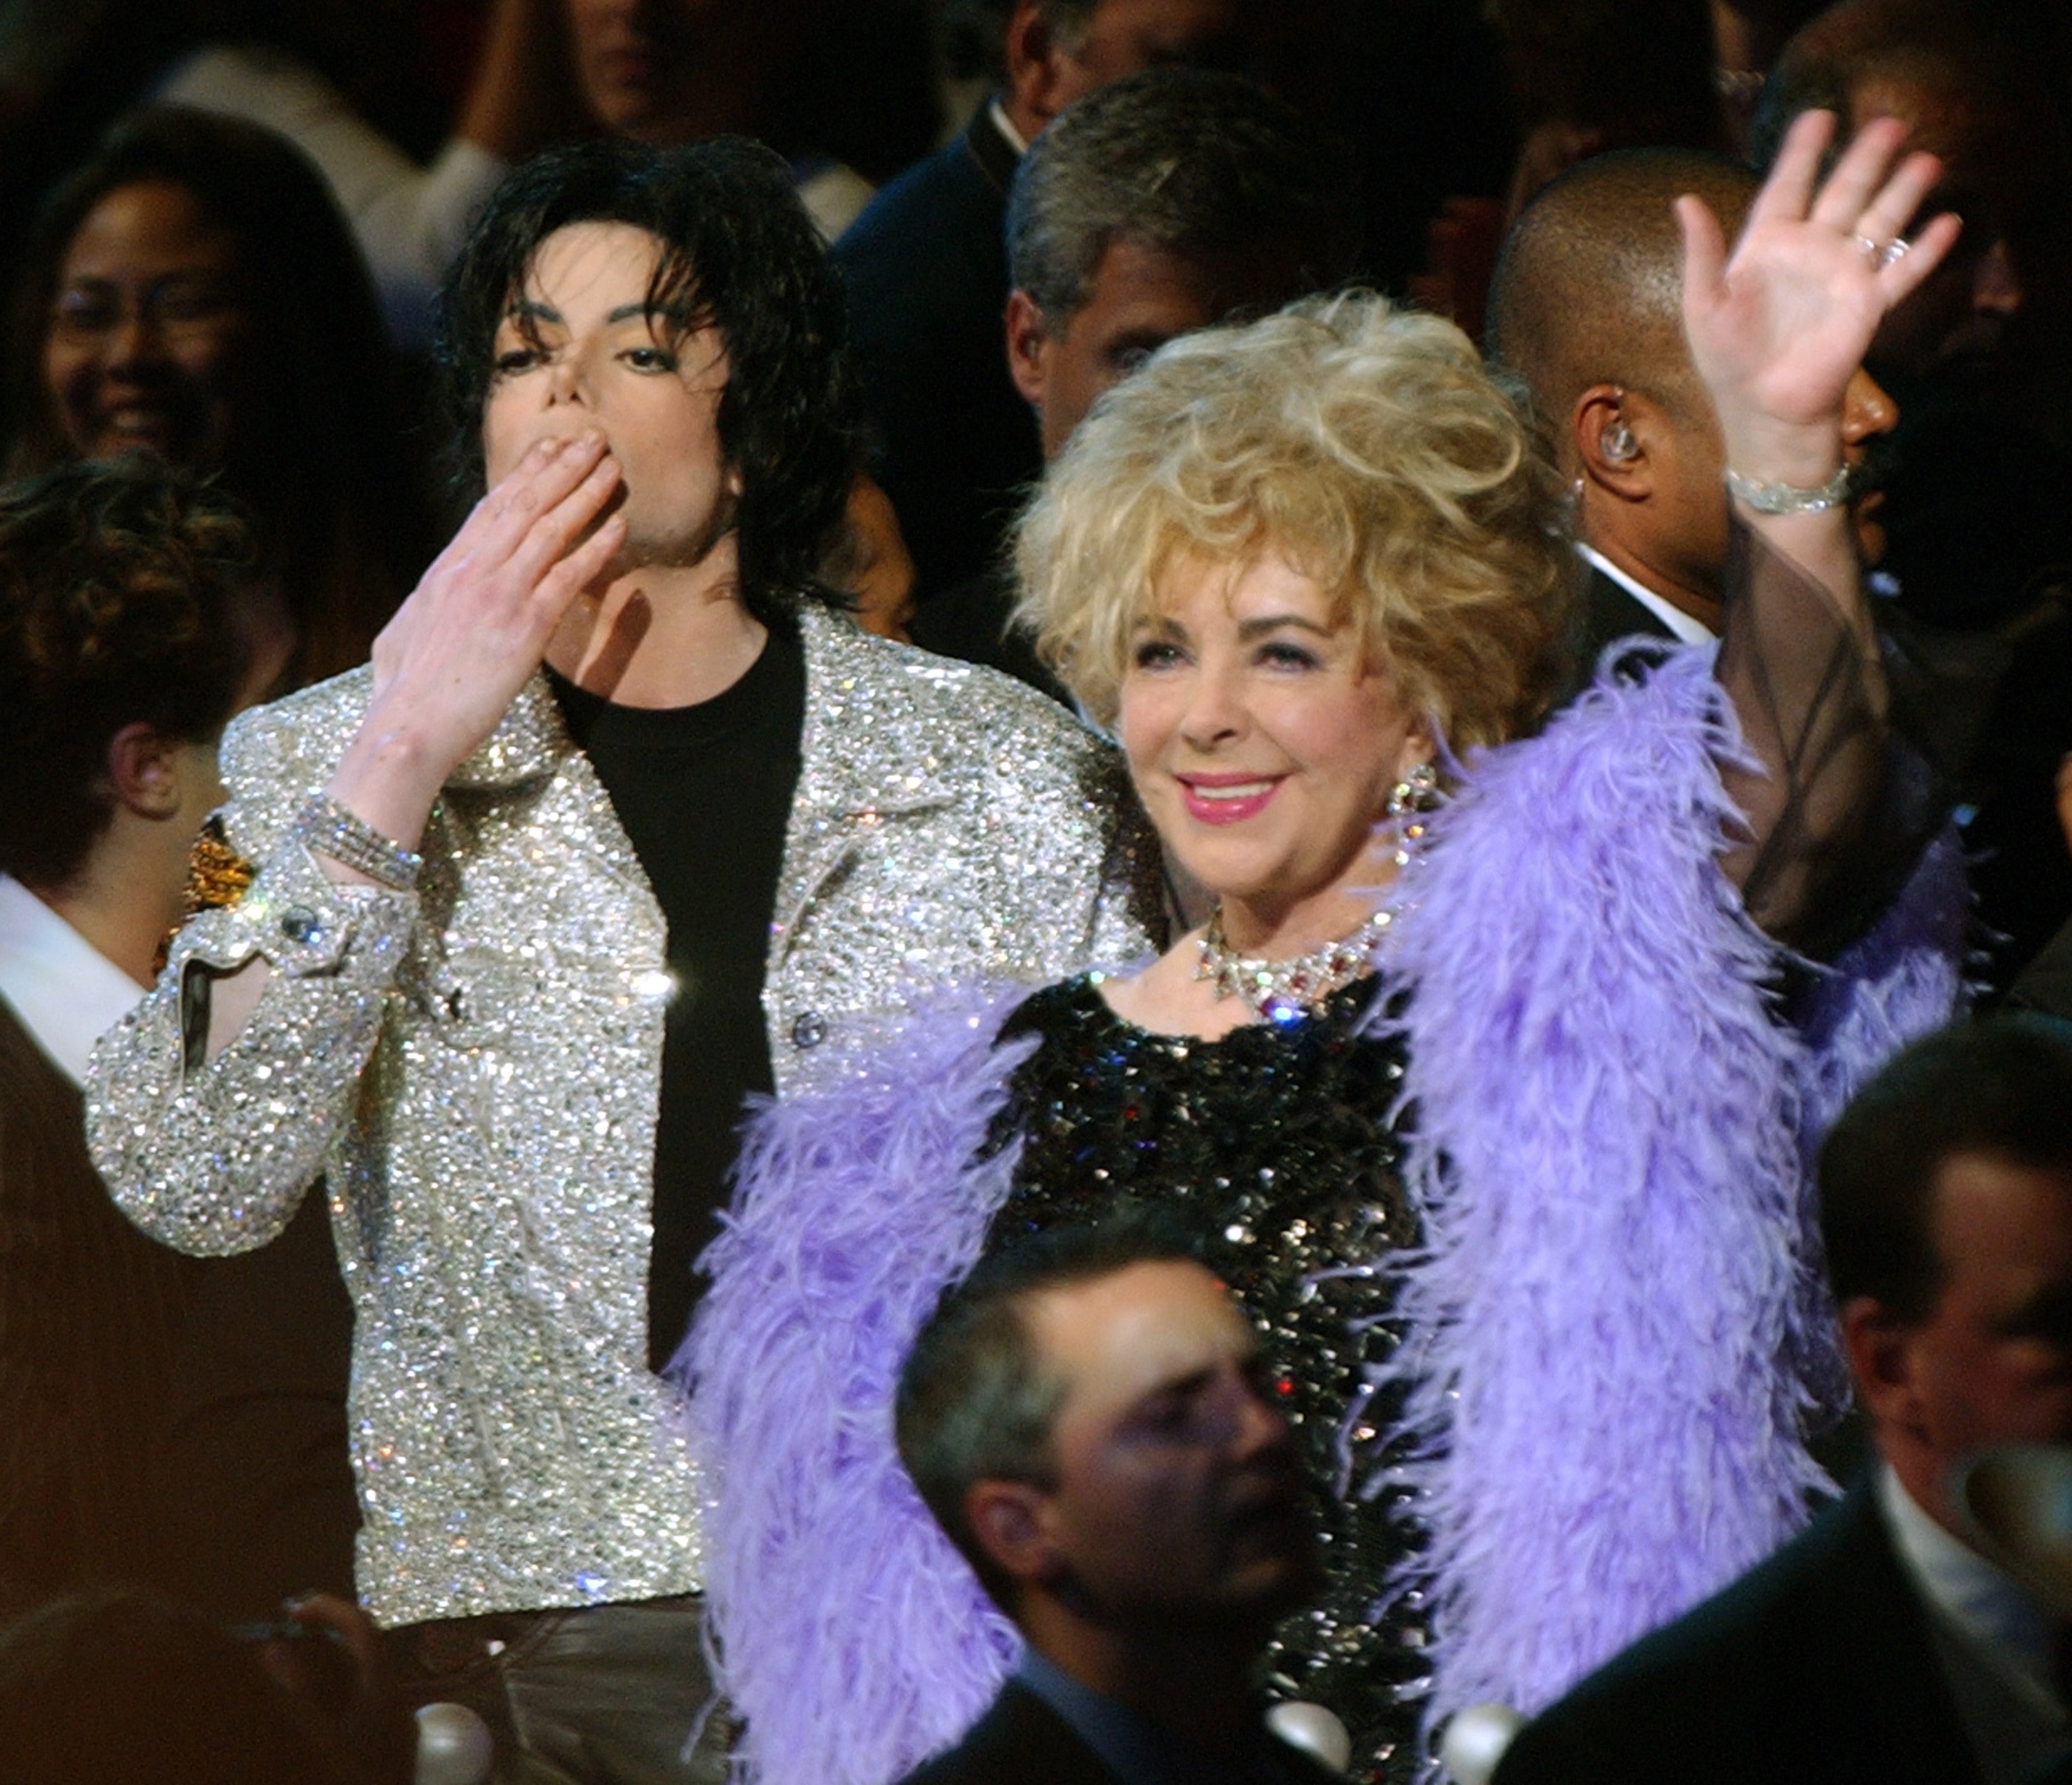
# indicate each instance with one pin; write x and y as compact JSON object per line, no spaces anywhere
{"x":809,"y":1030}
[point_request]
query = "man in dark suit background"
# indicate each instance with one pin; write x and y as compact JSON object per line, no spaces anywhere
{"x":1166,"y":201}
{"x":1587,"y":308}
{"x":926,"y":264}
{"x":1085,"y":1417}
{"x":1882,"y":1645}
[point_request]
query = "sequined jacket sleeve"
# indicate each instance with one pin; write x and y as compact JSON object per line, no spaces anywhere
{"x":962,"y":811}
{"x":213,"y":1157}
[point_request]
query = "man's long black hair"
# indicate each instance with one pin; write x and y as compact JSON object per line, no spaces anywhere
{"x":738,"y":252}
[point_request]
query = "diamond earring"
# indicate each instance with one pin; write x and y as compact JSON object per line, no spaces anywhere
{"x":1410,"y":801}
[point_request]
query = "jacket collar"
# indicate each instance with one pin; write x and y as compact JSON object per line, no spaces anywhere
{"x":864,"y":752}
{"x":861,"y":754}
{"x":993,"y":152}
{"x":864,"y":756}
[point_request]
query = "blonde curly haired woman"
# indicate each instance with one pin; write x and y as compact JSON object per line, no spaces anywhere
{"x":1472,"y":1086}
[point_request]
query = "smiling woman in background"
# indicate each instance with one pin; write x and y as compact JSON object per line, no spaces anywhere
{"x":193,"y":292}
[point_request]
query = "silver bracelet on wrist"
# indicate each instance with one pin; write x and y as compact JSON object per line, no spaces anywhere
{"x":324,"y":827}
{"x":1793,"y":499}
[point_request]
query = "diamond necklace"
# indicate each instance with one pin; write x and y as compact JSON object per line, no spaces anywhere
{"x":1281,"y":991}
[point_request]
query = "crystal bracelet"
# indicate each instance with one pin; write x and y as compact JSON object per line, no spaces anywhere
{"x":1793,"y":499}
{"x":325,"y":828}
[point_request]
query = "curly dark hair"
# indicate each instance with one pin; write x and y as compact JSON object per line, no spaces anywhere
{"x":330,"y":473}
{"x":738,"y":252}
{"x":117,"y":581}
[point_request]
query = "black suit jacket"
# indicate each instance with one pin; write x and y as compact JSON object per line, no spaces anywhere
{"x":1815,"y":1668}
{"x":1608,"y":612}
{"x":2046,"y":983}
{"x":971,"y":622}
{"x":925,"y":267}
{"x":1021,"y":1741}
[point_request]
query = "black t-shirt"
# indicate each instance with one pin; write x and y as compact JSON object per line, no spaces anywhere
{"x":705,"y":793}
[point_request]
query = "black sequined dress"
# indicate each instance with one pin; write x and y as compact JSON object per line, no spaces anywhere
{"x":1279,"y":1137}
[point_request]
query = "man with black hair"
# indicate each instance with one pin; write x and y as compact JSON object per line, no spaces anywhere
{"x":1090,"y":1418}
{"x":1880,"y":1645}
{"x":1159,"y":204}
{"x":625,"y":822}
{"x":925,"y":265}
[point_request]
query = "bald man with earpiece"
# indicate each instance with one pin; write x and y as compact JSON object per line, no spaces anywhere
{"x":1586,"y":309}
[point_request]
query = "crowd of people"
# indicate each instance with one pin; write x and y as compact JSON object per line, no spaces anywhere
{"x":1131,"y":889}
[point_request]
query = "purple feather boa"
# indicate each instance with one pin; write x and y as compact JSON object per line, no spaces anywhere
{"x":855,"y":1640}
{"x":1618,"y":1302}
{"x":1613,"y":1315}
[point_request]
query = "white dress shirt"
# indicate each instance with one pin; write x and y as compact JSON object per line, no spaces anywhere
{"x":1994,"y":1642}
{"x":63,"y":989}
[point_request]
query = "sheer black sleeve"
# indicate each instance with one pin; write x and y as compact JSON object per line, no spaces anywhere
{"x":1857,"y":738}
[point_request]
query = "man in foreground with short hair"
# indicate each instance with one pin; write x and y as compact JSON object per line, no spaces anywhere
{"x":1086,"y":1418}
{"x":1881,"y":1644}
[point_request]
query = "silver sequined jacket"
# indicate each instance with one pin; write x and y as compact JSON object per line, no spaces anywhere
{"x":473,"y":1070}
